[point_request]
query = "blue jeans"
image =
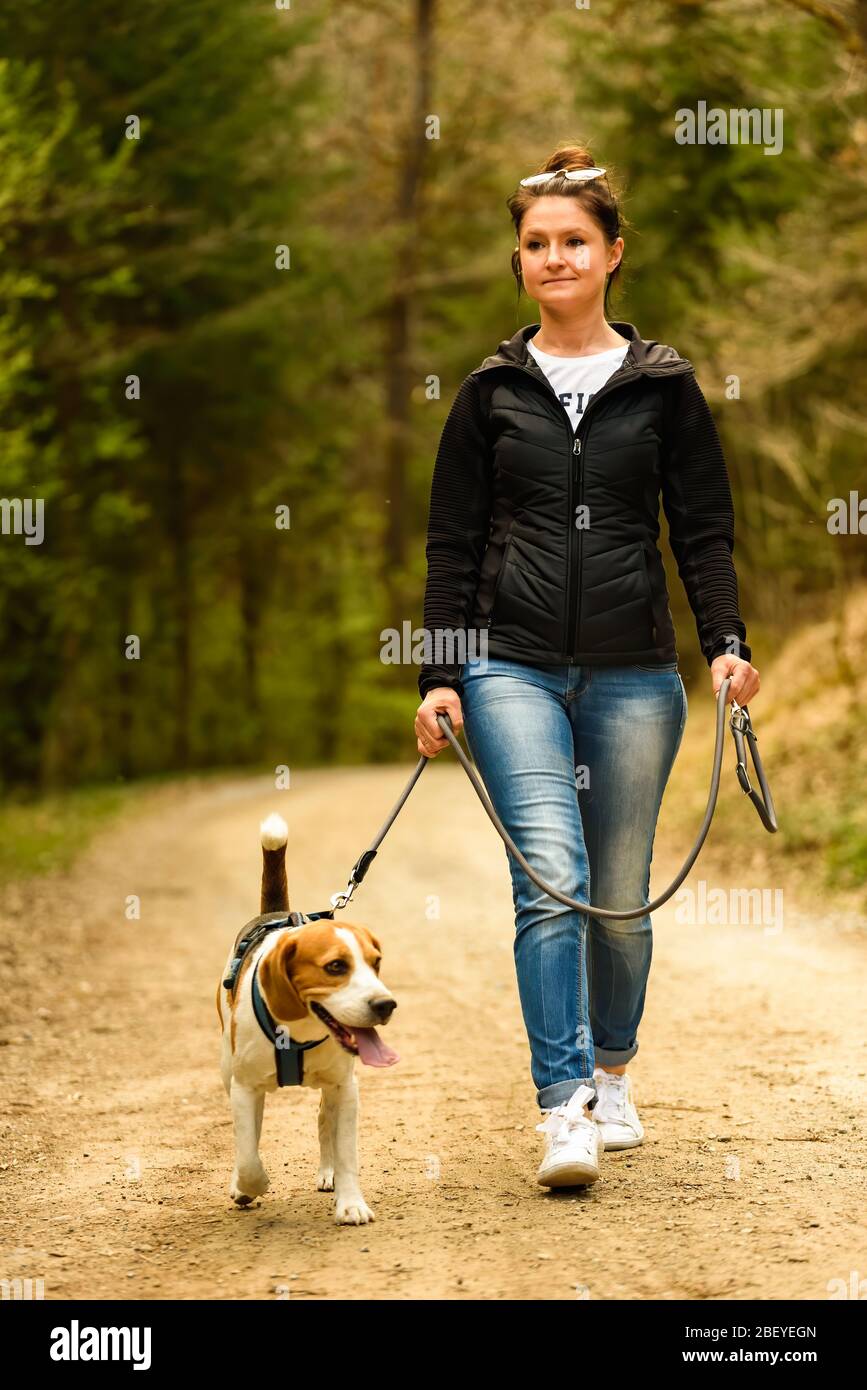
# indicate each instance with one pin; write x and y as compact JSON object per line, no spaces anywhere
{"x":575,"y":760}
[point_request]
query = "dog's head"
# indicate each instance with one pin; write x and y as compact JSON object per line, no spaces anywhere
{"x":331,"y":972}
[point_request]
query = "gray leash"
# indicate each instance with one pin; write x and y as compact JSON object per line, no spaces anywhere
{"x":742,"y":730}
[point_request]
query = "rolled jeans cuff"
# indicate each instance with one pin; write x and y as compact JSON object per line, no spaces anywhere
{"x":604,"y":1056}
{"x":561,"y":1091}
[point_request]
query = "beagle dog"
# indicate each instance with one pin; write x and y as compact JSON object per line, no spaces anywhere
{"x":315,"y":987}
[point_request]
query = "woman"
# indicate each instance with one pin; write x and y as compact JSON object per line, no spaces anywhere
{"x":542,"y":544}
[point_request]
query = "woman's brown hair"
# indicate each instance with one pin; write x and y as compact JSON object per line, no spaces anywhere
{"x":596,"y":196}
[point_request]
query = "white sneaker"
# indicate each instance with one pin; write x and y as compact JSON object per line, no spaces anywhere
{"x":574,"y":1144}
{"x":615,"y":1113}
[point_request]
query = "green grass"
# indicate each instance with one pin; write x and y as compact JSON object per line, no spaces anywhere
{"x":846,"y":857}
{"x":45,"y":834}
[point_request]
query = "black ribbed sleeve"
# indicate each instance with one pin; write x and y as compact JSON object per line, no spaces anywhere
{"x":458,"y":527}
{"x":697,"y":500}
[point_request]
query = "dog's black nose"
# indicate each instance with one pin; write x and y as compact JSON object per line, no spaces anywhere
{"x":383,"y":1008}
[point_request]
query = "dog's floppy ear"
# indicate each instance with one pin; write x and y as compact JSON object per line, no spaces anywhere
{"x":275,"y":978}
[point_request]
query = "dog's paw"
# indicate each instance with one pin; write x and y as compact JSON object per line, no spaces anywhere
{"x":352,"y":1211}
{"x":245,"y":1186}
{"x":325,"y":1180}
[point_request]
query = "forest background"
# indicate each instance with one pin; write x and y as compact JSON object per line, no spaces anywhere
{"x":248,"y":254}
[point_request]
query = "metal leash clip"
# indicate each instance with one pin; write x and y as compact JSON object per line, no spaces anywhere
{"x":339,"y":900}
{"x":745,"y":736}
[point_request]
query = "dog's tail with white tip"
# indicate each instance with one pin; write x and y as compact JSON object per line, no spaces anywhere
{"x":275,"y":889}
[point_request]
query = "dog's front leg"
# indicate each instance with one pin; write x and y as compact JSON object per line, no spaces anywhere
{"x":350,"y":1208}
{"x":249,"y":1179}
{"x":327,"y":1120}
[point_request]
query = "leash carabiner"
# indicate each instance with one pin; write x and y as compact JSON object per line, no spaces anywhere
{"x":741,"y":726}
{"x":339,"y":900}
{"x":360,"y":868}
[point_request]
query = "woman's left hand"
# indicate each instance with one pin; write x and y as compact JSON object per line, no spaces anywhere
{"x":745,"y":678}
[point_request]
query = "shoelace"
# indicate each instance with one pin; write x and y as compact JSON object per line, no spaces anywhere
{"x":613,"y":1096}
{"x":560,"y":1121}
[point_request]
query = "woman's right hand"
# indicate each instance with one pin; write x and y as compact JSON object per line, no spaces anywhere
{"x":440,"y":700}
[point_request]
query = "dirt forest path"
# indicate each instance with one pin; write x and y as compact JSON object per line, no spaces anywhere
{"x":116,"y":1135}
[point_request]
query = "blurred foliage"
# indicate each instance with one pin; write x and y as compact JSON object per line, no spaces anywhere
{"x":323,"y":388}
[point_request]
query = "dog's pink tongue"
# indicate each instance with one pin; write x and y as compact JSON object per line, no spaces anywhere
{"x":372,"y":1050}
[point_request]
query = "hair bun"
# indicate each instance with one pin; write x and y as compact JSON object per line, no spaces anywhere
{"x":568,"y":157}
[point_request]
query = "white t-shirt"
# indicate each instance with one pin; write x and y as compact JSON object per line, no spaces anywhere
{"x":576,"y":379}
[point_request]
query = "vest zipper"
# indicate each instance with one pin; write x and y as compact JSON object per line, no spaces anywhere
{"x":570,"y":636}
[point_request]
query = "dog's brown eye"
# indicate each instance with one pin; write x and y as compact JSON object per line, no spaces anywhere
{"x":377,"y":964}
{"x":337,"y":967}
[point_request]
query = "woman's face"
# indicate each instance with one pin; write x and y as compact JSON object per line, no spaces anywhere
{"x":564,"y":254}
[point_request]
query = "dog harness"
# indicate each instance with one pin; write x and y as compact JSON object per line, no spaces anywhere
{"x":288,"y":1053}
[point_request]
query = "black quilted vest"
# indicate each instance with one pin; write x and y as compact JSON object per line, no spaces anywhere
{"x":551,"y":591}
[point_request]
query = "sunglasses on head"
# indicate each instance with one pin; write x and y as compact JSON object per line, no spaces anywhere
{"x":578,"y":175}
